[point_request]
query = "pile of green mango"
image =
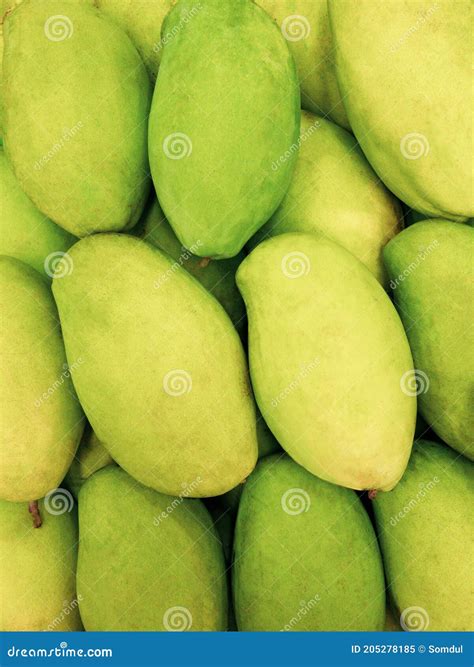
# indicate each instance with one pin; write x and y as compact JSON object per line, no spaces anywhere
{"x":236,"y":263}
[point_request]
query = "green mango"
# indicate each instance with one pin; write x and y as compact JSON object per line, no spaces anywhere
{"x":327,"y":354}
{"x":38,"y":573}
{"x":25,"y":233}
{"x":141,"y":20}
{"x":218,"y":277}
{"x":417,"y":53}
{"x":305,"y":555}
{"x":335,"y":192}
{"x":165,"y":552}
{"x":426,"y":537}
{"x":430,"y":266}
{"x":77,"y":141}
{"x":305,"y":26}
{"x":90,"y":457}
{"x":164,"y":383}
{"x":42,"y":421}
{"x":222,"y":164}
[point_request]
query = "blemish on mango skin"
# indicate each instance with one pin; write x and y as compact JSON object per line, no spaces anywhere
{"x":33,"y":509}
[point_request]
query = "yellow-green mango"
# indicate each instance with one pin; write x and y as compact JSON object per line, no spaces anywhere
{"x":164,"y":380}
{"x":305,"y":26}
{"x":141,"y":20}
{"x":164,"y":551}
{"x":76,"y":99}
{"x":42,"y":421}
{"x":327,"y":355}
{"x":38,"y":571}
{"x":335,"y":191}
{"x":404,"y":71}
{"x":431,"y":271}
{"x":218,"y":277}
{"x":25,"y":233}
{"x":426,"y":536}
{"x":305,"y":555}
{"x":226,"y":107}
{"x":90,"y":457}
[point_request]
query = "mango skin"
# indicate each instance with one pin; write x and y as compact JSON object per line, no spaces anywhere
{"x":305,"y":26}
{"x":42,"y":421}
{"x":423,"y":151}
{"x":141,"y":20}
{"x":218,"y":277}
{"x":330,"y":551}
{"x":245,"y":110}
{"x":165,"y":551}
{"x":90,"y":457}
{"x":430,"y":267}
{"x":77,"y":143}
{"x":335,"y":192}
{"x":327,"y":353}
{"x":37,"y":577}
{"x":25,"y":233}
{"x":423,"y":570}
{"x":164,"y":381}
